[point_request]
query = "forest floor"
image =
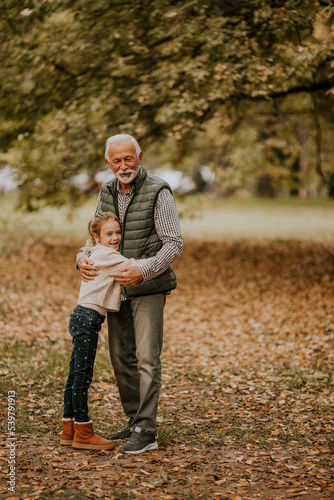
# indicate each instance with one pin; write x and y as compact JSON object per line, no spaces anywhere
{"x":246,"y":406}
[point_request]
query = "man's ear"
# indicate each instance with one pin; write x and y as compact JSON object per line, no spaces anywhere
{"x":140,"y":156}
{"x":107,"y":162}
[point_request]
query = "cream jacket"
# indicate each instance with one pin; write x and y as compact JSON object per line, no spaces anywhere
{"x":104,"y":291}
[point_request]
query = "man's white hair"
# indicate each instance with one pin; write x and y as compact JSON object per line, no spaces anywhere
{"x":121,"y":137}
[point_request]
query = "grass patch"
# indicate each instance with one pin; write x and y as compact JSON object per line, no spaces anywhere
{"x":49,"y":221}
{"x":68,"y":493}
{"x":201,"y":217}
{"x":293,"y":378}
{"x":273,"y":219}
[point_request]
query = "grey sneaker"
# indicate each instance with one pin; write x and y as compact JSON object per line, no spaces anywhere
{"x":124,"y":433}
{"x":139,"y":442}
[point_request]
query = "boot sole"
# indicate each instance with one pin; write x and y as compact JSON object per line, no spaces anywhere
{"x":83,"y":446}
{"x":66,"y":442}
{"x":149,"y":447}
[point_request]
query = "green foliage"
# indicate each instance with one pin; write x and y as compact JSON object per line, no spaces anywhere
{"x":74,"y":73}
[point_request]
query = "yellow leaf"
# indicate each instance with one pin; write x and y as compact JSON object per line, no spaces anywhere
{"x":243,"y":482}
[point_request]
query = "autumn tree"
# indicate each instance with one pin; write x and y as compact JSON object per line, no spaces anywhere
{"x":75,"y":72}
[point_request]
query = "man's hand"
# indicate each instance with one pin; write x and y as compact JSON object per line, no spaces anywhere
{"x":128,"y":276}
{"x":87,"y":269}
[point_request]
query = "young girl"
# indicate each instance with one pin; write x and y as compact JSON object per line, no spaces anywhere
{"x":96,"y":298}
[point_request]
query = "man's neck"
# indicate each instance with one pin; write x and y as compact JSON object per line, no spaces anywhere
{"x":125,"y":187}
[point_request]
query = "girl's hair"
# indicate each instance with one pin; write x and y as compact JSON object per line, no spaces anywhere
{"x":94,"y":226}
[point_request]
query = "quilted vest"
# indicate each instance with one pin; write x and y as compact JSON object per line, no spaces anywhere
{"x":139,"y":237}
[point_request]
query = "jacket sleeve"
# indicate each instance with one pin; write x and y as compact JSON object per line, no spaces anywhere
{"x":112,"y":261}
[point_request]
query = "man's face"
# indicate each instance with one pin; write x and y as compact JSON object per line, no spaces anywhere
{"x":123,"y":160}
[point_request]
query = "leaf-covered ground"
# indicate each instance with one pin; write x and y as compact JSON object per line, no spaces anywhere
{"x":246,"y":407}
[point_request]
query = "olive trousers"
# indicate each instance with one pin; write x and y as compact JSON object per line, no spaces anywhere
{"x":135,"y":344}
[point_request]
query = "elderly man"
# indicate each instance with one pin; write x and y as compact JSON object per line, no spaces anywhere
{"x":150,"y":227}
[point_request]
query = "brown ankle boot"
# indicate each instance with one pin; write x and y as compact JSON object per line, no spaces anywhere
{"x":85,"y":439}
{"x":67,"y":435}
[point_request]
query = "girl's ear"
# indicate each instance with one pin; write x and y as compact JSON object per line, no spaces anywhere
{"x":96,"y":238}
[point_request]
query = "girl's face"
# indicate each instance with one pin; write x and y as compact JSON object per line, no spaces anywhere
{"x":110,"y":234}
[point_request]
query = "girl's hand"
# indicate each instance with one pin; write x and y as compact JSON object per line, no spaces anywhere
{"x":128,"y":276}
{"x":87,"y":269}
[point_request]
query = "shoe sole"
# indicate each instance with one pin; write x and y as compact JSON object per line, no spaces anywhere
{"x":82,"y":446}
{"x":149,"y":447}
{"x":66,"y":442}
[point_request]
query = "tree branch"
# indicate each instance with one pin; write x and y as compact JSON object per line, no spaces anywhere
{"x":318,"y":140}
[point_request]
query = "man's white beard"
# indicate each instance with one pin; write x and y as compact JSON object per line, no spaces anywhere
{"x":127,"y":180}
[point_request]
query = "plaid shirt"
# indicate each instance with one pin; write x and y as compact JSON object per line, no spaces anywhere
{"x":167,"y":226}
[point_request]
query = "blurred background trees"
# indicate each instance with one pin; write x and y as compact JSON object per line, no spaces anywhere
{"x":243,"y":87}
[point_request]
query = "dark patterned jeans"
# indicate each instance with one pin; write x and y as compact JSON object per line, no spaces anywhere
{"x":84,"y":326}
